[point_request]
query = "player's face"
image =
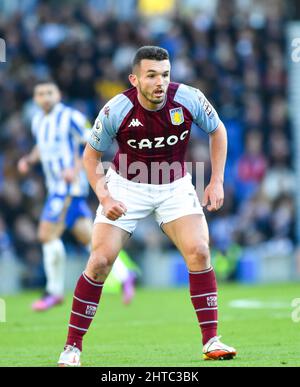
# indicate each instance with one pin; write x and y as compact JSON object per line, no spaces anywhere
{"x":152,"y":79}
{"x":46,"y":96}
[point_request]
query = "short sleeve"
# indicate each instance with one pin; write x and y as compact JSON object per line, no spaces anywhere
{"x":103,"y":131}
{"x":108,"y":122}
{"x":206,"y":116}
{"x":203,"y":113}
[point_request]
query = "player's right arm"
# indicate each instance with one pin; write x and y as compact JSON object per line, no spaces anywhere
{"x":205,"y":117}
{"x":112,"y":209}
{"x":102,"y":134}
{"x":25,"y":163}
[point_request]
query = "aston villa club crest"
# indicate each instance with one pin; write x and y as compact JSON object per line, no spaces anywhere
{"x":177,"y":116}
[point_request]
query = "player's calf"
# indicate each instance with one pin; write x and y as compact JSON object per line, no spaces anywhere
{"x":85,"y":302}
{"x":204,"y":297}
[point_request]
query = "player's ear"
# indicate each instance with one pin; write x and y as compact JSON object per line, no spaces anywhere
{"x":133,"y":79}
{"x":58,"y":94}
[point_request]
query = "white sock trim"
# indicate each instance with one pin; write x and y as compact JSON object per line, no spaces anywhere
{"x":205,"y":294}
{"x":208,"y":322}
{"x":200,"y":310}
{"x":85,"y":302}
{"x":90,"y":282}
{"x":202,"y":271}
{"x":74,"y":326}
{"x":82,"y":315}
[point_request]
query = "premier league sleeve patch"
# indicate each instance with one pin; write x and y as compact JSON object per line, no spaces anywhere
{"x":98,"y":126}
{"x":177,"y":117}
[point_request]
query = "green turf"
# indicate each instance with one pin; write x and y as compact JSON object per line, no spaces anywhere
{"x":158,"y":329}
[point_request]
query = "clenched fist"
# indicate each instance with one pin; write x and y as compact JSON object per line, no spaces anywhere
{"x":113,"y":209}
{"x":24,"y":165}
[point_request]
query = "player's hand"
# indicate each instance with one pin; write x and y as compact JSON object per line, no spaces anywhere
{"x":213,"y":196}
{"x":113,"y":209}
{"x":23,"y":165}
{"x":69,"y":175}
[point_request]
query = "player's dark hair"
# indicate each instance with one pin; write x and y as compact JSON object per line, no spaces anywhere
{"x":150,"y":52}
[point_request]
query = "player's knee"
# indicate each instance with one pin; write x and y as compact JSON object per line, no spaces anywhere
{"x":198,"y":256}
{"x":83,"y":231}
{"x":43,"y":237}
{"x":98,"y":265}
{"x":84,"y":238}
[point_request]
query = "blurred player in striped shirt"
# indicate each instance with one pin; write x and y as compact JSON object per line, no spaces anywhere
{"x":60,"y":133}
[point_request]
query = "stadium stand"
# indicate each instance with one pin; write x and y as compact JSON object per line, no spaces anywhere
{"x":235,"y":55}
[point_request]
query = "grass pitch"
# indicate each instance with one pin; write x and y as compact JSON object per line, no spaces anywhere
{"x":159,"y":329}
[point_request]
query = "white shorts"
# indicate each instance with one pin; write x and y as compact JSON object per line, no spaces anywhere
{"x":166,"y":201}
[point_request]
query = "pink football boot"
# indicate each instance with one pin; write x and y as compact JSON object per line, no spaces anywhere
{"x":47,"y":302}
{"x":129,"y":289}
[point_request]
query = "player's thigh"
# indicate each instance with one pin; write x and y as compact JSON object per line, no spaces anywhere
{"x":48,"y":231}
{"x":82,"y":230}
{"x":189,"y":234}
{"x":52,"y":220}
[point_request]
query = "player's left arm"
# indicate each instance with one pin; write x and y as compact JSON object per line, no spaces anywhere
{"x":214,"y":192}
{"x":206,"y":117}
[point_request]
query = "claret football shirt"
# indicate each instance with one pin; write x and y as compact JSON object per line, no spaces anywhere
{"x":152,"y":140}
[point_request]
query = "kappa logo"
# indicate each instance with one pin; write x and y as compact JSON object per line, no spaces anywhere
{"x":90,"y":310}
{"x":135,"y":122}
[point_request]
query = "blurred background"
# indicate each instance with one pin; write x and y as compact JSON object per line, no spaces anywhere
{"x":238,"y":52}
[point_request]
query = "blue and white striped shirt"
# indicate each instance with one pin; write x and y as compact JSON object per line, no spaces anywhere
{"x":59,"y":136}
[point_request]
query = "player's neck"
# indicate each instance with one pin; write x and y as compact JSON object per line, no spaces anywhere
{"x":146,"y":104}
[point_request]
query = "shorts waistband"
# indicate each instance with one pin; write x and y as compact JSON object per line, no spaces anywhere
{"x":111,"y":172}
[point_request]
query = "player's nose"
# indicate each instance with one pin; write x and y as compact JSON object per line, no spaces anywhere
{"x":159,"y":81}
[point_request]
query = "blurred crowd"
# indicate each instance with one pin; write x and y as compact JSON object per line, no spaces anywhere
{"x":235,"y":55}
